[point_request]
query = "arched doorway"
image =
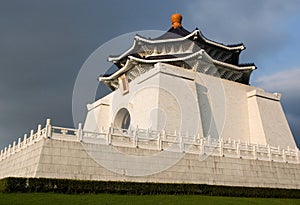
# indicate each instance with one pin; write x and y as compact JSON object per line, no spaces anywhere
{"x":122,"y":119}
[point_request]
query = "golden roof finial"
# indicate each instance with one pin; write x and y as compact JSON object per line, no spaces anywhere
{"x":176,"y":20}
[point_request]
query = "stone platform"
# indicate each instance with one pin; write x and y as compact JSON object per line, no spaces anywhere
{"x":119,"y":155}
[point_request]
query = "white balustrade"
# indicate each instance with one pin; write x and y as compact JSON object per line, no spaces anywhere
{"x":149,"y":139}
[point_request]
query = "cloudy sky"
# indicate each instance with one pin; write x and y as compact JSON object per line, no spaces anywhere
{"x":43,"y":45}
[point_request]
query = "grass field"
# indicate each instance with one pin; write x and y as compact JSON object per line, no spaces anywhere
{"x":64,"y":199}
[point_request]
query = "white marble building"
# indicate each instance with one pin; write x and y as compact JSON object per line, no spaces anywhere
{"x":181,"y":110}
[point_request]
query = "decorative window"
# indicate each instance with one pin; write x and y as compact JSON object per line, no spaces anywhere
{"x":123,"y":84}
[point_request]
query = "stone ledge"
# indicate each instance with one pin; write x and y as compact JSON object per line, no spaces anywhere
{"x":263,"y":94}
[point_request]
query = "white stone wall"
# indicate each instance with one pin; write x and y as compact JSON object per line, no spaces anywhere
{"x":147,"y":156}
{"x":173,"y":99}
{"x":66,"y":159}
{"x":23,"y":163}
{"x":268,"y":124}
{"x":99,"y":115}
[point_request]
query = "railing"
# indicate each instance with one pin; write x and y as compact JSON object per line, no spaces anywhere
{"x":149,"y":139}
{"x":23,"y":143}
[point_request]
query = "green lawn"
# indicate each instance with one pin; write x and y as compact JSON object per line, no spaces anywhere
{"x":63,"y":199}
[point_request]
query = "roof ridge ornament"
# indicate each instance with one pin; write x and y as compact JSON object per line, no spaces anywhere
{"x":176,"y":20}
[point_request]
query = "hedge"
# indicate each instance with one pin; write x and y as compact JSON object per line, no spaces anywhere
{"x":68,"y":186}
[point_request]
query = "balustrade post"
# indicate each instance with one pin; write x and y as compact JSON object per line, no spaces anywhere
{"x":79,"y":133}
{"x":5,"y":152}
{"x":175,"y":134}
{"x":9,"y":149}
{"x":25,"y":140}
{"x":283,"y":155}
{"x":48,"y":128}
{"x":19,"y":142}
{"x":31,"y":135}
{"x":135,"y":137}
{"x":221,"y":147}
{"x":238,"y":151}
{"x":159,"y":141}
{"x":196,"y":138}
{"x":201,"y":141}
{"x":202,"y":146}
{"x":181,"y":144}
{"x":297,"y":154}
{"x":148,"y":134}
{"x":269,"y":152}
{"x":39,"y":128}
{"x":164,"y":135}
{"x":209,"y":140}
{"x":109,"y":134}
{"x":254,"y":152}
{"x":14,"y":146}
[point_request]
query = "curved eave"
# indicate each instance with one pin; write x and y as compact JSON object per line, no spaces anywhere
{"x":132,"y":59}
{"x":201,"y":53}
{"x":198,"y":53}
{"x":126,"y":67}
{"x":171,"y":40}
{"x":195,"y":34}
{"x":138,"y":38}
{"x":239,"y":47}
{"x":233,"y":67}
{"x":126,"y":53}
